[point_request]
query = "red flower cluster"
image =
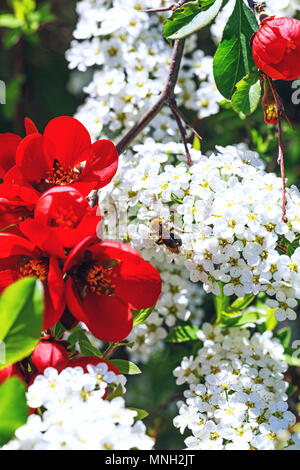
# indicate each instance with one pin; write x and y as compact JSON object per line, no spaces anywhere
{"x":276,"y":48}
{"x":48,"y":231}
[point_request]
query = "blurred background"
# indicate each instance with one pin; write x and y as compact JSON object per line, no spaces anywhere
{"x":34,"y":36}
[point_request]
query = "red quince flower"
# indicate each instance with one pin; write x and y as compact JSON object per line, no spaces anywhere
{"x":50,"y":354}
{"x":63,"y":155}
{"x":20,"y":258}
{"x":64,"y":215}
{"x":10,"y":371}
{"x":276,"y":48}
{"x":105,"y":281}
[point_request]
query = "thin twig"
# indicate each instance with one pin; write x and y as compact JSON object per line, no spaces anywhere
{"x":280,"y":159}
{"x":163,"y":98}
{"x":110,"y":350}
{"x":172,"y":7}
{"x":183,"y":136}
{"x":175,"y":109}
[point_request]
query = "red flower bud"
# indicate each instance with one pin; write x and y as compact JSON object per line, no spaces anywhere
{"x":276,"y":48}
{"x":49,"y":354}
{"x":10,"y":371}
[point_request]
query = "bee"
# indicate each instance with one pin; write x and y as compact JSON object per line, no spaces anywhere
{"x":166,"y":234}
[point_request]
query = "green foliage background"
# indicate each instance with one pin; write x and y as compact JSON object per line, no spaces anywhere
{"x":37,"y":78}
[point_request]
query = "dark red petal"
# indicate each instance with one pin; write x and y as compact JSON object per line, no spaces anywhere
{"x":138,"y":284}
{"x":8,"y":147}
{"x":108,"y":318}
{"x":11,"y":245}
{"x":102,"y":165}
{"x":76,"y":256}
{"x":54,"y":294}
{"x":30,"y":127}
{"x":8,"y":277}
{"x":70,"y":140}
{"x":31,"y":158}
{"x":42,"y":237}
{"x":94,"y":361}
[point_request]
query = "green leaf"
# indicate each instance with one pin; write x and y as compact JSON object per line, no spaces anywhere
{"x":58,"y":330}
{"x":9,"y":21}
{"x":21,"y":319}
{"x":190,"y":18}
{"x":221,"y":301}
{"x":240,"y":320}
{"x":86,"y":347}
{"x":292,"y":356}
{"x":182,"y":334}
{"x":284,"y":335}
{"x":271,"y":321}
{"x":233,"y":59}
{"x":247,"y":95}
{"x":141,"y":414}
{"x":197,"y":143}
{"x":117,"y":392}
{"x":125,"y":367}
{"x":240,"y":304}
{"x":139,"y":316}
{"x":13,"y":408}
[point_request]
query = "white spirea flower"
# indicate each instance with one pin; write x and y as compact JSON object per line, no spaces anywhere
{"x":236,"y":398}
{"x":130,"y":59}
{"x":76,"y":416}
{"x":180,"y":300}
{"x":225,"y":213}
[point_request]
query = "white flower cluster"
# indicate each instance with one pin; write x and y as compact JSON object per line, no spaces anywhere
{"x":273,"y":7}
{"x":180,"y":300}
{"x":237,"y":394}
{"x":130,"y":59}
{"x":225,"y":212}
{"x":76,"y":416}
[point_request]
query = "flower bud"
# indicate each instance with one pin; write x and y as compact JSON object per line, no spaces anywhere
{"x":276,"y":48}
{"x":10,"y":371}
{"x":49,"y":354}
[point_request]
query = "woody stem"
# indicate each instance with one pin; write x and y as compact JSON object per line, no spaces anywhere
{"x":280,"y":159}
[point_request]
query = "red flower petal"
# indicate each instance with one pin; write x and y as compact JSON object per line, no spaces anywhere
{"x":138,"y":283}
{"x":102,"y":165}
{"x":31,"y":159}
{"x":8,"y":148}
{"x":30,"y":127}
{"x":11,"y":245}
{"x":43,"y":238}
{"x":54,"y":295}
{"x":69,"y":139}
{"x":108,"y":318}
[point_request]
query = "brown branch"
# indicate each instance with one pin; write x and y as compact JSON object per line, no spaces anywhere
{"x":172,"y":7}
{"x":175,"y":109}
{"x":280,"y":159}
{"x":183,"y":136}
{"x":162,"y":100}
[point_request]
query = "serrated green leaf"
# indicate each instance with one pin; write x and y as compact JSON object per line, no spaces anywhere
{"x":126,"y":367}
{"x":141,"y":414}
{"x":13,"y":408}
{"x":139,"y":316}
{"x":191,"y":17}
{"x":21,"y":319}
{"x":58,"y":330}
{"x":240,"y":320}
{"x":233,"y":59}
{"x":247,"y":95}
{"x":182,"y":334}
{"x":86,"y":347}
